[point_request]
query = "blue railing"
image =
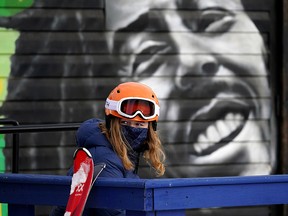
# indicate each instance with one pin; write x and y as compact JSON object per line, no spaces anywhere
{"x":161,"y":197}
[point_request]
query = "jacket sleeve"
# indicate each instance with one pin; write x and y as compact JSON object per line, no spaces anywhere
{"x":102,"y":152}
{"x":114,"y":167}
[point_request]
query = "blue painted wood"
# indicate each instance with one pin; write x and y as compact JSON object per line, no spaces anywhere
{"x":34,"y":189}
{"x":139,"y":213}
{"x":145,"y":197}
{"x":220,"y":192}
{"x":170,"y":213}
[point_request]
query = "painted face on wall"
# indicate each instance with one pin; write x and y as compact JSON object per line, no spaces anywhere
{"x":212,"y":59}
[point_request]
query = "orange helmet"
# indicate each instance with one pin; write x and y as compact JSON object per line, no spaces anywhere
{"x":134,"y":101}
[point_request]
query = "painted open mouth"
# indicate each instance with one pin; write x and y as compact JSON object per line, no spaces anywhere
{"x":220,"y":122}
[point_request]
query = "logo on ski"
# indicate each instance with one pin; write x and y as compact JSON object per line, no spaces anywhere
{"x":79,"y":188}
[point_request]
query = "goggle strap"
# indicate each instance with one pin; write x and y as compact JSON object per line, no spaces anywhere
{"x":157,"y":110}
{"x":111,"y":104}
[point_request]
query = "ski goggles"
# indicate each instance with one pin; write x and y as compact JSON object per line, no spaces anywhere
{"x":130,"y":107}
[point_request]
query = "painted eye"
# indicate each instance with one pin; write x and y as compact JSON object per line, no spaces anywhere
{"x":215,"y":21}
{"x":148,"y":55}
{"x":144,"y":59}
{"x":210,"y":20}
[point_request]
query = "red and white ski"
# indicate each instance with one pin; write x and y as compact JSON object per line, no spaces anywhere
{"x":84,"y":176}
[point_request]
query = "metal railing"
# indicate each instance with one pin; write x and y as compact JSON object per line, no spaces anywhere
{"x":15,"y":144}
{"x":17,"y":129}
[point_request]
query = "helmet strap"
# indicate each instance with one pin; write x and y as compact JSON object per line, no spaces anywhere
{"x":154,"y":125}
{"x":108,"y":121}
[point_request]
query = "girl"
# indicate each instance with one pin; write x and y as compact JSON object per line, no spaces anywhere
{"x":129,"y":131}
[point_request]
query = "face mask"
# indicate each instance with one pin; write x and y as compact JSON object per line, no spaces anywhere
{"x":135,"y":137}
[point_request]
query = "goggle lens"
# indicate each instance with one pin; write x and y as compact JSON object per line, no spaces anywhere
{"x":131,"y":106}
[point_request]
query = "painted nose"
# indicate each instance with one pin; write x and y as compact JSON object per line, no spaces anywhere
{"x":197,"y":66}
{"x":209,"y":68}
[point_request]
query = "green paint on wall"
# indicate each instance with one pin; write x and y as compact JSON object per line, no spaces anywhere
{"x":12,"y":7}
{"x":3,"y":89}
{"x":3,"y":210}
{"x":5,"y":65}
{"x":2,"y":157}
{"x":8,"y":39}
{"x":3,"y":207}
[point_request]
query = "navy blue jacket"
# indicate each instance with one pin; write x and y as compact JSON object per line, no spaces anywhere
{"x":90,"y":137}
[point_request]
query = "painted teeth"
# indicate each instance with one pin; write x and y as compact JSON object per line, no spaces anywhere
{"x":218,"y":131}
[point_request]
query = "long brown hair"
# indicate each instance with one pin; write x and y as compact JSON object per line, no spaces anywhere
{"x":154,"y":156}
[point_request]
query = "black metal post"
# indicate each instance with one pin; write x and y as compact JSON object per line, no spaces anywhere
{"x":15,"y":143}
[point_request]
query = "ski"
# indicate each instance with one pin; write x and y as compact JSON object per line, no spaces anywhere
{"x":84,"y":176}
{"x":97,"y":170}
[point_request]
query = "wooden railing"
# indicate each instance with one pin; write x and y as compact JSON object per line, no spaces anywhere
{"x":161,"y":197}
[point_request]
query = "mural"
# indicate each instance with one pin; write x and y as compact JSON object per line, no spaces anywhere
{"x":209,"y":62}
{"x":206,"y":60}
